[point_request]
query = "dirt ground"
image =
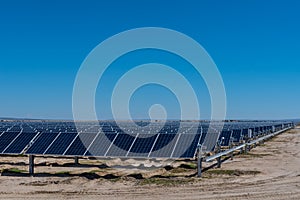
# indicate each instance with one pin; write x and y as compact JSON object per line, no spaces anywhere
{"x":269,"y":171}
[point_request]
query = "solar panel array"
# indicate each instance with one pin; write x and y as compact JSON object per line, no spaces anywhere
{"x":107,"y":139}
{"x":111,"y":141}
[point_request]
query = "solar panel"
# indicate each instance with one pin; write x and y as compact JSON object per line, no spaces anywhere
{"x":121,"y":145}
{"x":236,"y":135}
{"x":224,"y":138}
{"x":100,"y":144}
{"x":80,"y":144}
{"x":142,"y":145}
{"x":61,"y":143}
{"x":19,"y":144}
{"x":15,"y":128}
{"x":186,"y":146}
{"x":42,"y":143}
{"x":210,"y":140}
{"x":7,"y":138}
{"x":164,"y":145}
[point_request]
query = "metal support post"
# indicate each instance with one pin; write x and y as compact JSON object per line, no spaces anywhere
{"x":246,"y":148}
{"x":219,"y":162}
{"x":31,"y":164}
{"x":199,"y":165}
{"x":76,"y":160}
{"x":219,"y":158}
{"x":199,"y":161}
{"x":231,"y":146}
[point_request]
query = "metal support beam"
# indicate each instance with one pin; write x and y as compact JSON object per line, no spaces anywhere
{"x":199,"y":166}
{"x":31,"y":164}
{"x":76,"y":160}
{"x":244,"y":146}
{"x":199,"y":161}
{"x":219,"y":158}
{"x":219,"y":162}
{"x":232,"y":153}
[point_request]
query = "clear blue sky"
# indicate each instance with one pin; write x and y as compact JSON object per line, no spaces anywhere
{"x":255,"y":44}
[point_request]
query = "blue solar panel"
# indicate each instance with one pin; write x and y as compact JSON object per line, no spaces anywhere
{"x":236,"y":135}
{"x":186,"y":146}
{"x":210,"y":140}
{"x":100,"y":145}
{"x":121,"y":145}
{"x":142,"y":145}
{"x":2,"y":130}
{"x":164,"y":145}
{"x":15,"y":128}
{"x":62,"y":142}
{"x":81,"y":143}
{"x":163,"y":140}
{"x":6,"y":138}
{"x":245,"y":132}
{"x":224,"y":138}
{"x":203,"y":136}
{"x":20,"y":143}
{"x":42,"y":143}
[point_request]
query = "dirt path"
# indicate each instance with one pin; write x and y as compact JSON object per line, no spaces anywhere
{"x":270,"y":171}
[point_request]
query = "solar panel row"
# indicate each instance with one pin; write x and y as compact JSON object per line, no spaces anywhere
{"x":64,"y":138}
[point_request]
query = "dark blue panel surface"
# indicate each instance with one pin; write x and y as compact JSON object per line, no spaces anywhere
{"x":81,"y":143}
{"x":203,"y":136}
{"x":236,"y":135}
{"x":42,"y":143}
{"x":6,"y":138}
{"x":245,"y":132}
{"x":164,"y":146}
{"x":20,"y":143}
{"x":15,"y":128}
{"x":142,"y":145}
{"x":101,"y":144}
{"x":210,"y":139}
{"x":121,"y":145}
{"x":60,"y":145}
{"x":163,"y":140}
{"x":186,"y":146}
{"x":226,"y":138}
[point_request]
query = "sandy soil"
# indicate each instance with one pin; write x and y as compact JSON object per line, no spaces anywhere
{"x":270,"y":171}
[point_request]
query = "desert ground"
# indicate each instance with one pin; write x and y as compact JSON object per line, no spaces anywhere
{"x":269,"y":171}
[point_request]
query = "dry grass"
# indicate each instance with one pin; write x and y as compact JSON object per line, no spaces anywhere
{"x":232,"y":172}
